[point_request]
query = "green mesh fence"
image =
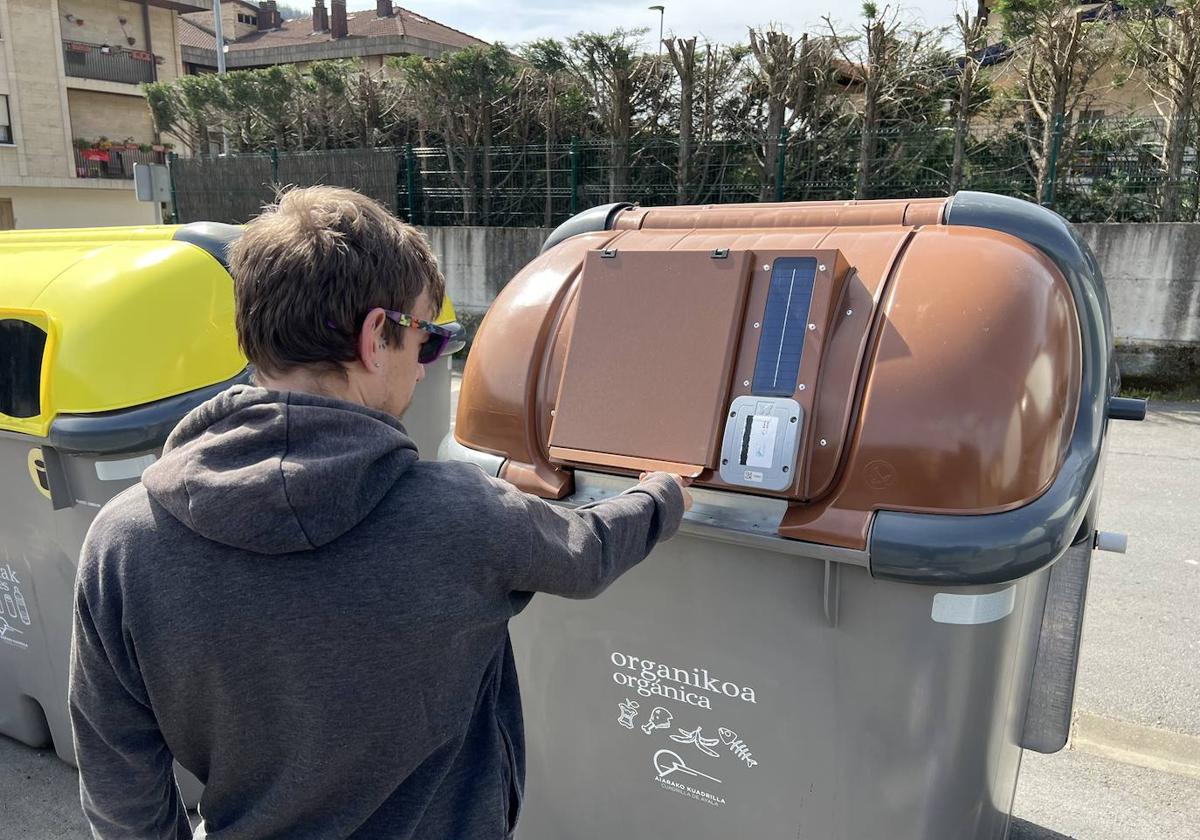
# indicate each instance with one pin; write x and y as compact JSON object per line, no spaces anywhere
{"x":1111,"y":170}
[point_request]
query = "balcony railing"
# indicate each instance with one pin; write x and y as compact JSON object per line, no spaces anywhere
{"x":112,"y":163}
{"x":108,"y":63}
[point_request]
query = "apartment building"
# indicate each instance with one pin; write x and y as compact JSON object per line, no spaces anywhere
{"x":73,"y":119}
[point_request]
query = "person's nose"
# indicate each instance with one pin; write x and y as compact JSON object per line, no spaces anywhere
{"x":420,"y":372}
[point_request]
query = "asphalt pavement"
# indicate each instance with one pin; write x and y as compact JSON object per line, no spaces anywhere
{"x":1138,"y":696}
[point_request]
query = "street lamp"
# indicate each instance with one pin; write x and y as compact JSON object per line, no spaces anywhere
{"x":220,"y":62}
{"x":661,"y":10}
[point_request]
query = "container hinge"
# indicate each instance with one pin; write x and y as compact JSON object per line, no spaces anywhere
{"x":720,"y":253}
{"x":607,"y":253}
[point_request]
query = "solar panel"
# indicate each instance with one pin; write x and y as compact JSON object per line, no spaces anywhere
{"x":784,"y":324}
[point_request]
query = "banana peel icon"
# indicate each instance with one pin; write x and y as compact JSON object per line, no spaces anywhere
{"x":705,"y":745}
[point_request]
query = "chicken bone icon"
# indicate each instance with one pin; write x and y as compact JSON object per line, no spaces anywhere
{"x":737,"y":746}
{"x":660,"y":718}
{"x":705,"y":745}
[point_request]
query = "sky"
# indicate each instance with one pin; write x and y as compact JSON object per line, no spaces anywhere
{"x":517,"y":21}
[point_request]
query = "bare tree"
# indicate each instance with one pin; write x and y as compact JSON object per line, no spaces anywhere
{"x":899,"y":67}
{"x":972,"y":35}
{"x":617,"y":78}
{"x":1165,"y":44}
{"x":547,"y":63}
{"x":782,"y":63}
{"x":478,"y":82}
{"x":1061,"y":52}
{"x":683,"y":59}
{"x":718,"y":112}
{"x":879,"y":33}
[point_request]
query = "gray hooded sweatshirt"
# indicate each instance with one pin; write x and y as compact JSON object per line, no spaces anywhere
{"x":315,"y":624}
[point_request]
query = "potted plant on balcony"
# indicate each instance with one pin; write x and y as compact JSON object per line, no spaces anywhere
{"x":92,"y":156}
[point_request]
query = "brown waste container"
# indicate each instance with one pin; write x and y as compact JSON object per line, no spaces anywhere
{"x":894,"y":413}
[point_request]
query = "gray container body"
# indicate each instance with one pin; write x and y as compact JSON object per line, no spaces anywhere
{"x":41,"y":537}
{"x":734,"y":687}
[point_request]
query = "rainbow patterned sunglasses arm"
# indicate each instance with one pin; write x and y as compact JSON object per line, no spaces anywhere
{"x":442,"y":341}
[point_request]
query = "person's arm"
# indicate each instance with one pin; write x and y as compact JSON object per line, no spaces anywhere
{"x":578,"y":553}
{"x":127,"y":784}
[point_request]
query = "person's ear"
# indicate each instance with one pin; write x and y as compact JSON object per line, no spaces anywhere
{"x":370,"y":340}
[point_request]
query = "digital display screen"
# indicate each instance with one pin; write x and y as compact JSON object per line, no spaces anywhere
{"x":784,"y":326}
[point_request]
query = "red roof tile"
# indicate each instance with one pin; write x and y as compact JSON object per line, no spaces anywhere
{"x":365,"y":24}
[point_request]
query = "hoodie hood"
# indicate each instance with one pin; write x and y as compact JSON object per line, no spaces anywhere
{"x":278,"y":472}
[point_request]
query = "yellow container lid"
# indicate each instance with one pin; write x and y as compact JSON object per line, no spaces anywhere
{"x":132,"y":315}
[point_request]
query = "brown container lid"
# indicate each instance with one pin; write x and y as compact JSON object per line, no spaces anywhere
{"x":950,"y":387}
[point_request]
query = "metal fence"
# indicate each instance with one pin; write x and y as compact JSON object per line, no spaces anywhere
{"x":1097,"y":172}
{"x":108,"y":63}
{"x":112,"y":163}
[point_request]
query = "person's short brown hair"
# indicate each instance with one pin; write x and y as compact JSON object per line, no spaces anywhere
{"x":309,"y":269}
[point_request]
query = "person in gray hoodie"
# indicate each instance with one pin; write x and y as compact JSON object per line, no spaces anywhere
{"x":298,"y":609}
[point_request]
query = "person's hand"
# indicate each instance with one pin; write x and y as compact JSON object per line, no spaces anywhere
{"x":683,"y":486}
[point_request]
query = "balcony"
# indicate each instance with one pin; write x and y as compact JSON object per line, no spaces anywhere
{"x":108,"y":63}
{"x":114,"y":163}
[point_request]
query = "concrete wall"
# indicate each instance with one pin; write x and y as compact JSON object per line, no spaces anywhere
{"x":37,"y":100}
{"x":99,"y":22}
{"x":1153,"y":276}
{"x":1152,"y":272}
{"x":95,"y":115}
{"x":10,"y":163}
{"x":479,"y":261}
{"x":66,"y":207}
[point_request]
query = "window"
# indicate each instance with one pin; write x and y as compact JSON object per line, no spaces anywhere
{"x":250,"y":19}
{"x":6,"y":135}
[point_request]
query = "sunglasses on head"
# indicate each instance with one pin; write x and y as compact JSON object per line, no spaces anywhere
{"x":441,"y":339}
